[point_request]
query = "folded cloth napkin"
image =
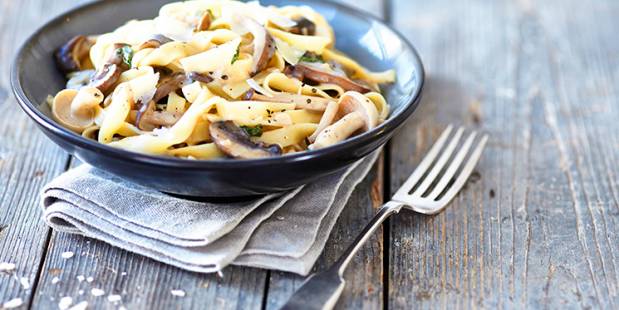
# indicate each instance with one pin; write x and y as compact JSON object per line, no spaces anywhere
{"x":280,"y":231}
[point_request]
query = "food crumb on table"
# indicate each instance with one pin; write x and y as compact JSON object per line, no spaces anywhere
{"x":25,"y":284}
{"x":13,"y":303}
{"x":80,"y":306}
{"x":67,"y":254}
{"x":7,"y":267}
{"x":178,"y":293}
{"x":114,"y":298}
{"x":97,"y":292}
{"x":65,"y":303}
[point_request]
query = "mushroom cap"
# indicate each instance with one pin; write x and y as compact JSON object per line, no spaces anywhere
{"x":353,"y":101}
{"x":71,"y":56}
{"x":303,"y":26}
{"x":205,"y":22}
{"x":155,"y":41}
{"x":61,"y":111}
{"x":170,"y":84}
{"x":264,"y":45}
{"x":310,"y":71}
{"x":106,"y":78}
{"x":235,"y":142}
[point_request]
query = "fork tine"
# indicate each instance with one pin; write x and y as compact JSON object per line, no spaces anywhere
{"x":453,"y":167}
{"x":424,"y":165}
{"x":466,"y":172}
{"x":440,"y":164}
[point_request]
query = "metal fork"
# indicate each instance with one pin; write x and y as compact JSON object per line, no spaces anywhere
{"x":426,"y":191}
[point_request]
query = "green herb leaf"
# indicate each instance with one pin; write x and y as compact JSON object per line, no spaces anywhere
{"x":126,"y":53}
{"x":236,"y":56}
{"x":311,"y":57}
{"x":255,"y":131}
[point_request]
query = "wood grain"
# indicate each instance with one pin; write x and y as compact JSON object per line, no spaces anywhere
{"x":538,"y":225}
{"x":27,"y":159}
{"x":364,"y":276}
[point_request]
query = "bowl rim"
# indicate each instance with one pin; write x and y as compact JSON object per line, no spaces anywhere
{"x":351,"y":144}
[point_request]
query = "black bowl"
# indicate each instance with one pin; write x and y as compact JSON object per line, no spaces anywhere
{"x":366,"y":39}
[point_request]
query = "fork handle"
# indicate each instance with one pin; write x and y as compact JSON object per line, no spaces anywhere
{"x":384,"y":213}
{"x":322,"y":290}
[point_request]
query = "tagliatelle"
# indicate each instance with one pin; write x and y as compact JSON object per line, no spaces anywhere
{"x":219,"y":78}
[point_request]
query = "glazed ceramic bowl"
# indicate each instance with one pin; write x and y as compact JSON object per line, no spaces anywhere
{"x":363,"y":37}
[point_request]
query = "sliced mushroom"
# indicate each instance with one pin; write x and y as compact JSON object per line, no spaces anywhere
{"x":204,"y":78}
{"x":72,"y":55}
{"x":318,"y":74}
{"x":148,"y":119}
{"x":301,"y":101}
{"x":205,"y":22}
{"x":62,"y":111}
{"x":235,"y":142}
{"x":356,"y":112}
{"x":169,"y":84}
{"x":105,"y":78}
{"x":155,"y":42}
{"x":264,"y":45}
{"x":304,"y":27}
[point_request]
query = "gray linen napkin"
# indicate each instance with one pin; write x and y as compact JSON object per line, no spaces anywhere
{"x":281,"y":231}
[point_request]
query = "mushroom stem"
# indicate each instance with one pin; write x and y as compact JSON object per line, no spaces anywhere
{"x":85,"y":101}
{"x":327,"y":119}
{"x":339,"y":131}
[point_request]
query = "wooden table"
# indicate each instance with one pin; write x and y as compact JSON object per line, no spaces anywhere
{"x":536,"y":226}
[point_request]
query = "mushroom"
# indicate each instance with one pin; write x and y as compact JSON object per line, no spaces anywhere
{"x":169,"y":84}
{"x":235,"y":142}
{"x":116,"y":57}
{"x":148,"y":119}
{"x":205,"y":22}
{"x":76,"y":109}
{"x":79,"y":79}
{"x":327,"y":119}
{"x":264,"y":45}
{"x":105,"y":78}
{"x":304,"y":27}
{"x":204,"y":78}
{"x":356,"y":112}
{"x":312,"y":72}
{"x":301,"y":101}
{"x":155,"y":41}
{"x":73,"y":55}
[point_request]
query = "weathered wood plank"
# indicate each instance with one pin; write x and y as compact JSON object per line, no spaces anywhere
{"x":27,"y":160}
{"x":539,"y":229}
{"x":140,"y":282}
{"x":364,"y":288}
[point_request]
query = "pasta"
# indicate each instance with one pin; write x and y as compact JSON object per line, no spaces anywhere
{"x":210,"y":79}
